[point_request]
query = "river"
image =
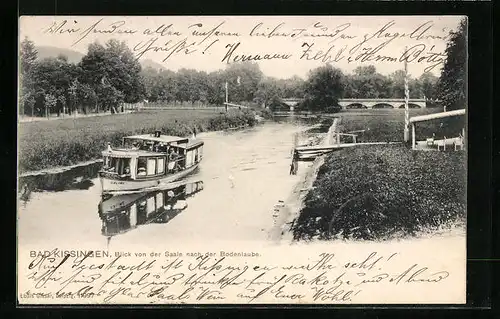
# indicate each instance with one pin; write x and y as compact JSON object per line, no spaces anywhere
{"x":234,"y":196}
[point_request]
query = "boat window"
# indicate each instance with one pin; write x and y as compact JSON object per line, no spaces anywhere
{"x":112,"y":163}
{"x":124,"y":166}
{"x":151,"y":166}
{"x":115,"y":165}
{"x":189,"y":158}
{"x":141,"y":166}
{"x":161,"y":165}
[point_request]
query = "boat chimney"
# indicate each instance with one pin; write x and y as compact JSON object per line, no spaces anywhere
{"x":157,"y":133}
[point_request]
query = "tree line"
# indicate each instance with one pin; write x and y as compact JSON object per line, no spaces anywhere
{"x":109,"y":75}
{"x":104,"y":78}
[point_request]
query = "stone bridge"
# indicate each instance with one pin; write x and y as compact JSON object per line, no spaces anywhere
{"x":367,"y":103}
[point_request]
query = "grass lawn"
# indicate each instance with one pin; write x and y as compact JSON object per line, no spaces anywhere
{"x":379,"y":192}
{"x":45,"y":144}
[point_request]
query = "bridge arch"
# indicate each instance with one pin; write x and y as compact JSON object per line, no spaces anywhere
{"x":356,"y":106}
{"x":410,"y":105}
{"x":383,"y":106}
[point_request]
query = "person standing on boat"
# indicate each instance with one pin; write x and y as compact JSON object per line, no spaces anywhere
{"x":172,"y":157}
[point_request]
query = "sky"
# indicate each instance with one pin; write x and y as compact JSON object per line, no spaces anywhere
{"x":283,"y":46}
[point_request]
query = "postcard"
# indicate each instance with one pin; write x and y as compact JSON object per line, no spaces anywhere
{"x":254,"y":160}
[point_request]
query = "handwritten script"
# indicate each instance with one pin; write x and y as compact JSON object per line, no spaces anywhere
{"x":318,"y":41}
{"x":209,"y":278}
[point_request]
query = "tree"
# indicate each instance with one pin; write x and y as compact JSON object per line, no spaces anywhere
{"x":269,"y":92}
{"x":398,"y":84}
{"x":452,"y":82}
{"x":86,"y":96}
{"x":292,"y":87}
{"x":367,"y":83}
{"x":366,"y":71}
{"x":150,"y":80}
{"x":73,"y":96}
{"x":115,"y":63}
{"x":168,"y":86}
{"x":415,"y":86}
{"x":323,"y":88}
{"x":28,"y":56}
{"x":50,"y":103}
{"x":250,"y":76}
{"x":428,"y":82}
{"x":27,"y":59}
{"x":215,"y":89}
{"x":55,"y":76}
{"x":185,"y":86}
{"x":109,"y":98}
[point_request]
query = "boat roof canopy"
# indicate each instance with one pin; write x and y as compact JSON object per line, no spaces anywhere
{"x":161,"y":138}
{"x":127,"y":153}
{"x":191,"y":144}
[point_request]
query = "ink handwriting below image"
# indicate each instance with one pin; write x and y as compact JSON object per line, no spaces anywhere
{"x":326,"y":278}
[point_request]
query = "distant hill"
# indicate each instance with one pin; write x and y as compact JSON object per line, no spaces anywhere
{"x":75,"y":56}
{"x":52,"y":52}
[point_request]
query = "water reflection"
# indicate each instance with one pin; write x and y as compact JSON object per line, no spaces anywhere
{"x":122,"y":213}
{"x":77,"y":178}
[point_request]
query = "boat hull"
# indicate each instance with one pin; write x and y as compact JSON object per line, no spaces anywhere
{"x":110,"y":186}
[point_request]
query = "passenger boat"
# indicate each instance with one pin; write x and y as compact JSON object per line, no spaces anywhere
{"x":122,"y":213}
{"x":146,"y":161}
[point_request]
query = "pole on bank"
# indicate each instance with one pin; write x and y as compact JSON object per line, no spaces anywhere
{"x":227,"y":95}
{"x":407,"y":111}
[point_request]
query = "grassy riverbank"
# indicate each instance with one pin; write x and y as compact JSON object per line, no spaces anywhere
{"x":69,"y":141}
{"x":383,"y":191}
{"x":378,"y":192}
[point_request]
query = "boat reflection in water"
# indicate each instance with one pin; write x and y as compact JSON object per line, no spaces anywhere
{"x":122,"y":213}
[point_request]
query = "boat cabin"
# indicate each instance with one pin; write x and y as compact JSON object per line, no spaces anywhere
{"x":151,"y":156}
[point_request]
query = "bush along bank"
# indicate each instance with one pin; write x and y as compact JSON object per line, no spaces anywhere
{"x":382,"y":192}
{"x":60,"y":149}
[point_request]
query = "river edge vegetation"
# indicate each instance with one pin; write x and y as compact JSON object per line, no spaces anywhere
{"x":64,"y":142}
{"x":379,"y":192}
{"x":383,"y":192}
